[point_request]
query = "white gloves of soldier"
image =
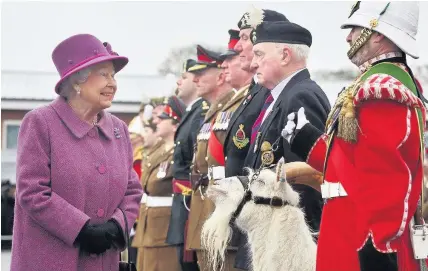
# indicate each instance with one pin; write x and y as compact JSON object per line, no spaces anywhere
{"x":294,"y":125}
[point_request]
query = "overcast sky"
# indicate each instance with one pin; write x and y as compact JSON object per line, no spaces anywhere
{"x":146,"y":31}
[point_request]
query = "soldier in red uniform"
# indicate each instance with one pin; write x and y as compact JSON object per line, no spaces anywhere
{"x":371,"y":153}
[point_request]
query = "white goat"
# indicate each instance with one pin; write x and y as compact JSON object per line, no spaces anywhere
{"x":279,"y":236}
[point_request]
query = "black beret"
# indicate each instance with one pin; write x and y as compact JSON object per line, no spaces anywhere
{"x":206,"y":59}
{"x":281,"y":32}
{"x":174,"y":109}
{"x":268,"y":16}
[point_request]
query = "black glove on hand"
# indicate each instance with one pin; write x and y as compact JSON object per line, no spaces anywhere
{"x":92,"y":239}
{"x":113,"y":233}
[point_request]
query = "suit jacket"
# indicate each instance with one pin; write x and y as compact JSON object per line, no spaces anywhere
{"x":238,"y":134}
{"x":201,"y":208}
{"x":185,"y":139}
{"x":300,"y":91}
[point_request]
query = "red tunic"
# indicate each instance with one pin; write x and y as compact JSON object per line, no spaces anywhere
{"x":382,"y":175}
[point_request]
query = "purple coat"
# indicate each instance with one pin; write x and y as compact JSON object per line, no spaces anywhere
{"x":69,"y":172}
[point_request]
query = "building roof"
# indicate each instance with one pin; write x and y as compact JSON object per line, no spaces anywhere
{"x":32,"y":89}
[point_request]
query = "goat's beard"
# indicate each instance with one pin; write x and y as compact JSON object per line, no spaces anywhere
{"x":215,"y":237}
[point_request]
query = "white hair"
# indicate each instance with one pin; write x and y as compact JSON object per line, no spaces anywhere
{"x":67,"y":87}
{"x":300,"y":51}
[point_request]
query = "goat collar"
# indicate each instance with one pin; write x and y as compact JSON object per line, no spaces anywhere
{"x":247,"y":197}
{"x":274,"y":201}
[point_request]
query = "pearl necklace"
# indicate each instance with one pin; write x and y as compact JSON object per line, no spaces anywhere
{"x":94,"y":121}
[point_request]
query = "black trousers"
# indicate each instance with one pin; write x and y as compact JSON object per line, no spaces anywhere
{"x":373,"y":260}
{"x":193,"y":266}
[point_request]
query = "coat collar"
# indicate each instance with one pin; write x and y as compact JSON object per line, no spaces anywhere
{"x":78,"y":127}
{"x":237,"y":97}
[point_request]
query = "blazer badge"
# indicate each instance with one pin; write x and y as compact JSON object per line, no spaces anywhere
{"x":239,"y":139}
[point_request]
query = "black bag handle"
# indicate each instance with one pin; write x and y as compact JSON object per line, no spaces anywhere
{"x":127,"y":239}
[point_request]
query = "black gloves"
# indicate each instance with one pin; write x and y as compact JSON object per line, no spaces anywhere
{"x":113,"y":233}
{"x":96,"y":239}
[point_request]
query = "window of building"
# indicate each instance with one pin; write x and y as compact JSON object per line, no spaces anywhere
{"x":10,"y":133}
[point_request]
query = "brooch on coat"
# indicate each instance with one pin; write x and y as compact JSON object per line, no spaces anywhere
{"x":116,"y":132}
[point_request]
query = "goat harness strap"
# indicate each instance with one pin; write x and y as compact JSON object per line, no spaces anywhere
{"x":274,"y":201}
{"x":247,"y":197}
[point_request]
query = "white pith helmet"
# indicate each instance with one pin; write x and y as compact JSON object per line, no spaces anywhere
{"x":399,"y":22}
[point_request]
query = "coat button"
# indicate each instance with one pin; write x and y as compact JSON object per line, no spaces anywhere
{"x":102,"y":169}
{"x":100,"y":212}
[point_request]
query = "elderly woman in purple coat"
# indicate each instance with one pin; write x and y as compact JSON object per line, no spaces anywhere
{"x":75,"y":181}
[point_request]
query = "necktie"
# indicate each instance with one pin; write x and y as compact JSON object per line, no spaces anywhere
{"x":258,"y":122}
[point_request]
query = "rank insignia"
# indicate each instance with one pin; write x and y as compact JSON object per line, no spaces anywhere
{"x":205,"y":105}
{"x":267,"y":156}
{"x":240,"y":138}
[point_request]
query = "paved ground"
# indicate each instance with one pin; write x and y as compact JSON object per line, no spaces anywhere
{"x":5,"y":260}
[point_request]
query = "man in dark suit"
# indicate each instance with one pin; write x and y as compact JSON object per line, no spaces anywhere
{"x":281,"y":50}
{"x":237,"y":141}
{"x":185,"y":138}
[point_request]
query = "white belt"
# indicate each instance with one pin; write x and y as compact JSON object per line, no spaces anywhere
{"x":150,"y":201}
{"x":216,"y":173}
{"x":332,"y":190}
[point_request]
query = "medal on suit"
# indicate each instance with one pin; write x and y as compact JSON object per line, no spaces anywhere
{"x":162,"y":170}
{"x":205,"y":132}
{"x":267,"y":156}
{"x":248,"y":99}
{"x":239,"y":139}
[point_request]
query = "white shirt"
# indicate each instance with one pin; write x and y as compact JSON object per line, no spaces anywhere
{"x":256,"y":80}
{"x":276,"y":91}
{"x":189,"y":107}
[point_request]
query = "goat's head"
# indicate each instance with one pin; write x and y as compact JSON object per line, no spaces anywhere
{"x":227,"y":194}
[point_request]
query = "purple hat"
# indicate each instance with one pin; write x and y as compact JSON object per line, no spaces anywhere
{"x":81,"y":51}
